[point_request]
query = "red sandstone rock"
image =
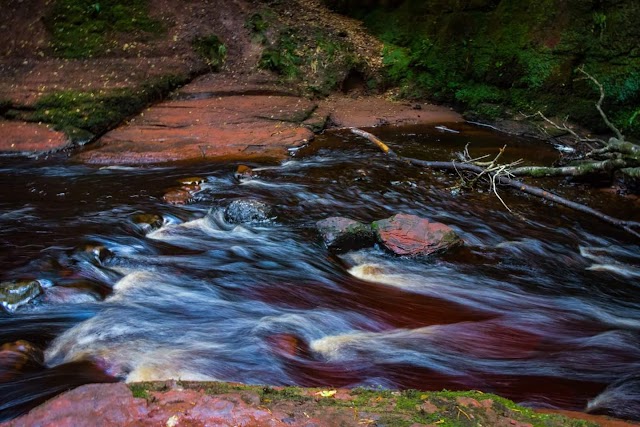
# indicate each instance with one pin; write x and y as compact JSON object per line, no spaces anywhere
{"x":410,"y":235}
{"x":345,"y":111}
{"x":177,"y":196}
{"x":90,"y":405}
{"x":114,"y":405}
{"x":22,"y":137}
{"x":236,"y":126}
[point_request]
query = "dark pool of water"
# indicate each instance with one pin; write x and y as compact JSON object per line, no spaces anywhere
{"x":541,"y":307}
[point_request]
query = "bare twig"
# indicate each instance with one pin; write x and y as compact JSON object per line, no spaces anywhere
{"x":611,"y":126}
{"x":565,"y":128}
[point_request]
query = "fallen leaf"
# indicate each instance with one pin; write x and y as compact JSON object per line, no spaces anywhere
{"x":326,"y":393}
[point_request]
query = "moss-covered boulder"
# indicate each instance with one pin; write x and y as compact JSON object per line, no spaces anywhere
{"x":342,"y":234}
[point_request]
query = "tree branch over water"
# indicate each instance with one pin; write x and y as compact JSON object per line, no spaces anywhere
{"x":497,"y":174}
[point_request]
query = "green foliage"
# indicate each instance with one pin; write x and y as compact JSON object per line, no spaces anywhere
{"x":97,"y":112}
{"x":85,"y":28}
{"x":258,"y":26}
{"x":599,"y":23}
{"x":314,"y":57}
{"x":283,"y":57}
{"x":212,"y":50}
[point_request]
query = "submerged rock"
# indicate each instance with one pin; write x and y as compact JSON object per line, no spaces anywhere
{"x":18,"y":293}
{"x":341,"y":234}
{"x":243,"y":173}
{"x":177,"y":196}
{"x":19,"y":357}
{"x":69,"y":295}
{"x":410,"y":235}
{"x":147,"y":222}
{"x":247,"y":211}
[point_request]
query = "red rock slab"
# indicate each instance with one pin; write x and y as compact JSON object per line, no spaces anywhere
{"x":22,"y":137}
{"x":88,"y":405}
{"x":230,"y":127}
{"x":24,"y":82}
{"x":409,"y":235}
{"x":344,"y":111}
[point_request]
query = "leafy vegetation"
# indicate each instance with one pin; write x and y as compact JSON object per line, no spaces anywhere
{"x":258,"y":25}
{"x":284,"y":56}
{"x":320,"y":60}
{"x":88,"y":28}
{"x":511,"y":57}
{"x":212,"y":50}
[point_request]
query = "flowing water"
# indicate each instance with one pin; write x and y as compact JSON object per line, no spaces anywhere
{"x":541,"y":307}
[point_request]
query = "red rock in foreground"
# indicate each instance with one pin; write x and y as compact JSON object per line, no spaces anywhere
{"x":220,"y":404}
{"x":22,"y":137}
{"x":410,"y":235}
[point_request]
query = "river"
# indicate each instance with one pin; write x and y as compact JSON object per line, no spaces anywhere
{"x":540,"y":306}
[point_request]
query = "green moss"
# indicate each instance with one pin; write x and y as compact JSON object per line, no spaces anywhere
{"x":283,"y":56}
{"x":97,"y":112}
{"x":139,"y":390}
{"x":212,"y":51}
{"x":258,"y":25}
{"x":270,"y":395}
{"x":389,"y":408}
{"x":87,"y":28}
{"x":318,"y":60}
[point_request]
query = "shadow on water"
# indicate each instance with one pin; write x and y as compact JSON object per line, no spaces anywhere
{"x":543,"y":310}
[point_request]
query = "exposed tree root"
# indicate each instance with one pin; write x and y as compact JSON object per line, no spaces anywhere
{"x":498,"y":174}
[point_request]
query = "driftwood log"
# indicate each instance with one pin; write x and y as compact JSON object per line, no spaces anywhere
{"x":629,"y":226}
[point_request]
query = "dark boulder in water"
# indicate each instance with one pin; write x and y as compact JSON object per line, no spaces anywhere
{"x":410,"y":235}
{"x":18,"y":293}
{"x":247,"y":211}
{"x":621,"y":399}
{"x":341,"y":234}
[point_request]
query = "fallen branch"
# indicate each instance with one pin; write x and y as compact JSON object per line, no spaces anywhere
{"x":502,"y":179}
{"x":611,"y":126}
{"x":586,"y":168}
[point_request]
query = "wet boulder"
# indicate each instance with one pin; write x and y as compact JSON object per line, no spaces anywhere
{"x":343,"y":234}
{"x":410,"y":235}
{"x":18,"y":293}
{"x":247,"y":211}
